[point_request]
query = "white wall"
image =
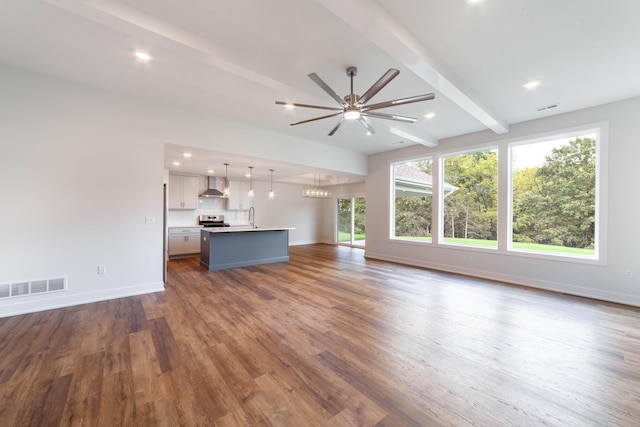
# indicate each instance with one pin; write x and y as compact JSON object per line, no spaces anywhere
{"x":81,"y":168}
{"x":605,"y":281}
{"x":74,"y":196}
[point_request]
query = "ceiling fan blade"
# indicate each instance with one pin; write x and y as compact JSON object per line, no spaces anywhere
{"x":294,"y":104}
{"x":365,"y":124}
{"x":396,"y":102}
{"x":390,"y":117}
{"x":326,"y":88}
{"x":337,"y":127}
{"x":316,"y":118}
{"x":377,"y":86}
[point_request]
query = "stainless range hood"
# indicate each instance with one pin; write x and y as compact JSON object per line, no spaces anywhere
{"x":216,"y":186}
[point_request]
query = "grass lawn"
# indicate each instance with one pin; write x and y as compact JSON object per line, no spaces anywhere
{"x":343,"y":236}
{"x":522,"y":246}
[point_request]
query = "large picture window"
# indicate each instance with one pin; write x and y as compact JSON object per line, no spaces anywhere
{"x":553,"y":196}
{"x":412,"y":194}
{"x":539,"y":198}
{"x":470,"y":214}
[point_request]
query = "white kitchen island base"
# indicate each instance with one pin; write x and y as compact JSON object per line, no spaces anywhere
{"x":222,"y":248}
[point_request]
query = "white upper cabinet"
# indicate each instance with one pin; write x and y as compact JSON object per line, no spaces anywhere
{"x":183,"y":192}
{"x":238,"y":196}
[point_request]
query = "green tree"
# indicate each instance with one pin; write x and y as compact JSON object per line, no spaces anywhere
{"x":557,"y":206}
{"x":413,"y":216}
{"x":413,"y":213}
{"x":524,"y":185}
{"x":471,"y":211}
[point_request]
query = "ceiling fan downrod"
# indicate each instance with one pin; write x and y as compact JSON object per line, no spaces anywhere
{"x":352,"y":98}
{"x":352,"y":109}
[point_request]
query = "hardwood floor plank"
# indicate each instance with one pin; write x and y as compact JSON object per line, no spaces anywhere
{"x":85,"y":392}
{"x":158,"y":413}
{"x":48,"y":403}
{"x":166,"y":348}
{"x":147,"y":375}
{"x":117,"y":402}
{"x":232,"y":372}
{"x":329,"y":338}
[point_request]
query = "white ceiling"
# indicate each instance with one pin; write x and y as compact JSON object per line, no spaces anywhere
{"x":234,"y":59}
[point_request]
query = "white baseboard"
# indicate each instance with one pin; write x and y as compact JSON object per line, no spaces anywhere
{"x":564,"y":288}
{"x":24,"y":305}
{"x":302,"y":242}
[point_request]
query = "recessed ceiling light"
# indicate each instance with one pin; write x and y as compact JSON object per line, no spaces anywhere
{"x":531,"y":84}
{"x":473,"y":1}
{"x":176,"y":163}
{"x":210,"y":171}
{"x":187,"y":155}
{"x":142,"y":55}
{"x":430,"y":115}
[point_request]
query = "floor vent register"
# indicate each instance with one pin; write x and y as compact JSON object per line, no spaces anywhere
{"x":33,"y":287}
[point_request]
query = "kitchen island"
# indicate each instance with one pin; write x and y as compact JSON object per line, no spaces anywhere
{"x":229,"y":247}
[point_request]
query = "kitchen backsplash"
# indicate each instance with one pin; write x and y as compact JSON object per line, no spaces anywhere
{"x":207,"y":206}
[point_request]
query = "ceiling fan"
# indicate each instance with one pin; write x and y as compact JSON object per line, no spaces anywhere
{"x":354,"y":107}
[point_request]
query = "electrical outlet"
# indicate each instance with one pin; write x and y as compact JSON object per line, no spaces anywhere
{"x":470,"y":260}
{"x":150,"y":220}
{"x":102,"y":269}
{"x":628,"y":274}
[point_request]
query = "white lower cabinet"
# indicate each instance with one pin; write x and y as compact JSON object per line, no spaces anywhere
{"x":184,"y":240}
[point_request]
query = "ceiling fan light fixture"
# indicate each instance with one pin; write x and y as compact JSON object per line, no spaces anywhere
{"x":351,"y":114}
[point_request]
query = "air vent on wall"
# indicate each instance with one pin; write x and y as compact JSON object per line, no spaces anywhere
{"x":33,"y":287}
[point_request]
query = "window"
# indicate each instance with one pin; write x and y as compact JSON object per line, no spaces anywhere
{"x":412,"y":192}
{"x":553,"y":196}
{"x":544,"y":191}
{"x":470,"y":213}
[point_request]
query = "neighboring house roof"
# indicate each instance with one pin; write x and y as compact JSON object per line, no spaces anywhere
{"x":411,"y":181}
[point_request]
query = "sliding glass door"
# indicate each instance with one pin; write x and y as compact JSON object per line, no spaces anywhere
{"x":351,"y":221}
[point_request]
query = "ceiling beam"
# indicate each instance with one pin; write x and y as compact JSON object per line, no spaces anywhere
{"x":375,"y":24}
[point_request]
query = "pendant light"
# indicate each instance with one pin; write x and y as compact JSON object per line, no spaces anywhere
{"x":226,"y":190}
{"x":316,"y":192}
{"x":272,"y":195}
{"x":251,"y":182}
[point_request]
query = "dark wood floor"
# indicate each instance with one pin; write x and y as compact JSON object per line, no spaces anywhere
{"x":327,"y":339}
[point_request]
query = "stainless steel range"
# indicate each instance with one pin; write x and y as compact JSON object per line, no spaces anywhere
{"x":212,"y":221}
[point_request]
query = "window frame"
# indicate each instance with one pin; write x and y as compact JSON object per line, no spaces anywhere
{"x":601,"y":202}
{"x":504,"y":203}
{"x":441,"y":197}
{"x":435,"y":187}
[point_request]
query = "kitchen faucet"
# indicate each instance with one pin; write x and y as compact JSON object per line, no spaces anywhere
{"x":252,"y":217}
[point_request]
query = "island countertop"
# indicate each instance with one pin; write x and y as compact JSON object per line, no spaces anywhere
{"x":230,"y":247}
{"x":239,"y":228}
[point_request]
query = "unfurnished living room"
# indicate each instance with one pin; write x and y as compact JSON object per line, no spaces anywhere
{"x":319,"y":213}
